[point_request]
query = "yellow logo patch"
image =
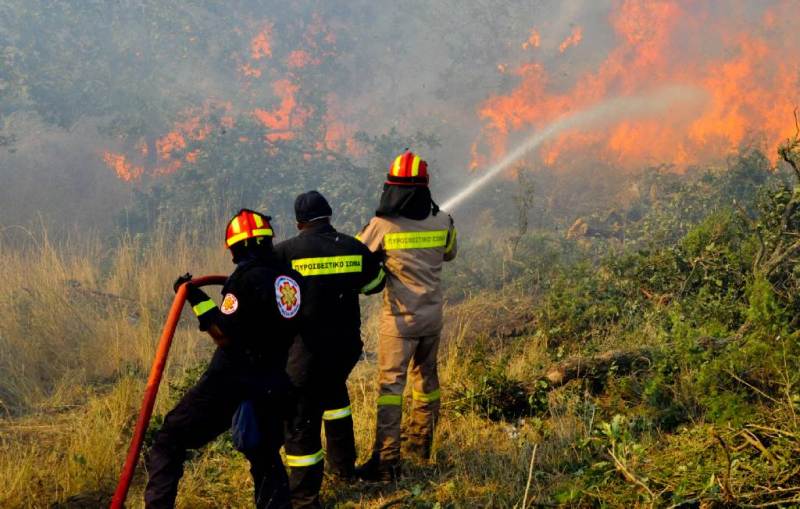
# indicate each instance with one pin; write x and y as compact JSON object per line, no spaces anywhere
{"x":229,"y":304}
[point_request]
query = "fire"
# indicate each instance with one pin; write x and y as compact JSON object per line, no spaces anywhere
{"x":339,"y":135}
{"x":747,"y":70}
{"x":250,"y":71}
{"x":533,"y":40}
{"x":300,"y":58}
{"x":287,"y":117}
{"x":573,"y":40}
{"x":261,"y":44}
{"x":169,"y":143}
{"x":264,"y":63}
{"x":124,"y":169}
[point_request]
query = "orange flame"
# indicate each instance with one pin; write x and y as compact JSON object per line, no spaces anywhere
{"x":745,"y":69}
{"x":124,"y":169}
{"x":261,"y":44}
{"x":533,"y":40}
{"x":300,"y":58}
{"x":287,"y":117}
{"x":573,"y":40}
{"x":282,"y":121}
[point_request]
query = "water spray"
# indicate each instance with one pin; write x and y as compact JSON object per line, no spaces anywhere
{"x":648,"y":104}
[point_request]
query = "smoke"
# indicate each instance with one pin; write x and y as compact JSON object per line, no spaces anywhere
{"x":53,"y":177}
{"x":136,"y":90}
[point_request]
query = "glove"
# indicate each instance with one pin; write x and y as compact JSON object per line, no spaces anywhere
{"x":182,"y":279}
{"x":193,"y":294}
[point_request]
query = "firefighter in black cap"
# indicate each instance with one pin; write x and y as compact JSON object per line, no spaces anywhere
{"x":253,"y":327}
{"x":336,"y":268}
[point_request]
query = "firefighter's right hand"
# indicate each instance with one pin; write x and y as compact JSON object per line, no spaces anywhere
{"x":182,"y":279}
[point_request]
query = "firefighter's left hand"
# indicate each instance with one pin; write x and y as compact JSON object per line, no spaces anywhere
{"x":182,"y":279}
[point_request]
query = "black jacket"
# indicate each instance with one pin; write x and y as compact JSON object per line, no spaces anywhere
{"x":336,"y":268}
{"x":260,"y":313}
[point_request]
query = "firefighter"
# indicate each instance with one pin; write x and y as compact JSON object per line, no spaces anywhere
{"x":336,"y":268}
{"x":253,"y":328}
{"x":417,"y":238}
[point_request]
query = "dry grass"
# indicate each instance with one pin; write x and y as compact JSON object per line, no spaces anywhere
{"x":76,"y":346}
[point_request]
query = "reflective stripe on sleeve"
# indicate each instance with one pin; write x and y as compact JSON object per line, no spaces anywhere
{"x":390,"y":399}
{"x":415,"y":240}
{"x":375,"y":282}
{"x":451,"y":242}
{"x":339,"y":413}
{"x":427,"y":397}
{"x":204,"y":307}
{"x":304,"y":461}
{"x":327,"y":265}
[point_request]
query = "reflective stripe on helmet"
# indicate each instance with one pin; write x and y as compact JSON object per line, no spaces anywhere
{"x":415,"y":240}
{"x":390,"y":399}
{"x":204,"y":307}
{"x":304,"y":461}
{"x":339,"y":413}
{"x":262,"y":232}
{"x":398,"y":164}
{"x":375,"y":282}
{"x":326,"y":265}
{"x":235,"y":225}
{"x":247,"y":224}
{"x":427,"y":397}
{"x":415,"y":166}
{"x":408,"y":169}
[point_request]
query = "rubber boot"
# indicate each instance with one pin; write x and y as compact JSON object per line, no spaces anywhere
{"x":376,"y":470}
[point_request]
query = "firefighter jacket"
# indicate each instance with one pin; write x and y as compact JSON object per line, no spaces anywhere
{"x":415,"y":251}
{"x":259,"y":314}
{"x":336,"y":268}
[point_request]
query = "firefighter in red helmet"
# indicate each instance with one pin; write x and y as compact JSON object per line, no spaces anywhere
{"x":417,"y":238}
{"x":253,"y":328}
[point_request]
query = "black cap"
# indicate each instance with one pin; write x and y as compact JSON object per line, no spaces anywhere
{"x":310,"y":206}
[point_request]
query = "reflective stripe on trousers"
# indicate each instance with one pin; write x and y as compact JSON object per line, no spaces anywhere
{"x":395,"y":356}
{"x":304,"y":461}
{"x":338,"y":413}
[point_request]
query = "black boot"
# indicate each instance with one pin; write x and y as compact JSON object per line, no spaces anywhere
{"x":376,"y":470}
{"x":342,"y":475}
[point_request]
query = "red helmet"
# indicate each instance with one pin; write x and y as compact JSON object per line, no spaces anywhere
{"x":247,"y":224}
{"x":408,"y":169}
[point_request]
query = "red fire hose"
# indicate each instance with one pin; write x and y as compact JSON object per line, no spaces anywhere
{"x":151,"y":390}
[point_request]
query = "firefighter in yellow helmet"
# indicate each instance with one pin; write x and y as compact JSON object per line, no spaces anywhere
{"x":417,"y":239}
{"x":246,"y":380}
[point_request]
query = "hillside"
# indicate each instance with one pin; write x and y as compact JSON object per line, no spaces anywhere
{"x":623,"y":318}
{"x":591,"y":372}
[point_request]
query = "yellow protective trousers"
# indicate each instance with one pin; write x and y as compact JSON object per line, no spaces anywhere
{"x":395,"y":354}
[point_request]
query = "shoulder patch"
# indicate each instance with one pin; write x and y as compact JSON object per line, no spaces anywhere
{"x":287,"y":295}
{"x":229,"y":304}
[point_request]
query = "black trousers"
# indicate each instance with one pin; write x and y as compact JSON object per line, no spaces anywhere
{"x":203,"y":414}
{"x":320,"y":396}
